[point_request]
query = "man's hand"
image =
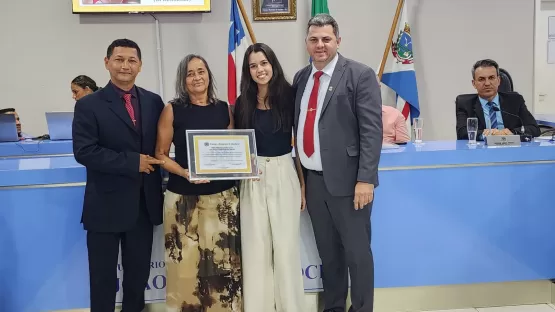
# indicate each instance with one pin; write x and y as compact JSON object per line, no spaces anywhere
{"x":364,"y":194}
{"x":497,"y":132}
{"x":504,"y":132}
{"x":146,"y":163}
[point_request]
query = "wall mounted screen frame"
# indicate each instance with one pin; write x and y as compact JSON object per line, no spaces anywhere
{"x":140,"y":6}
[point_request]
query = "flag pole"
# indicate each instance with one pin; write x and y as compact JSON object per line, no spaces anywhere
{"x":390,"y":38}
{"x":246,"y":19}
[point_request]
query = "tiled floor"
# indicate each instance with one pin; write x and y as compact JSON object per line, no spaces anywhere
{"x":523,"y":308}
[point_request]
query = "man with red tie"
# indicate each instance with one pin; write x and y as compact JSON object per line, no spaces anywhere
{"x":114,"y":136}
{"x":338,"y":126}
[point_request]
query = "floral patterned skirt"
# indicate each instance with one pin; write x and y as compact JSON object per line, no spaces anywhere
{"x":203,"y":256}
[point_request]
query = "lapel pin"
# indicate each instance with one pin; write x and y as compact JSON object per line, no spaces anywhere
{"x":330,"y":89}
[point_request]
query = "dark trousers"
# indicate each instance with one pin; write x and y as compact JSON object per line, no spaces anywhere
{"x":343,"y":240}
{"x":136,"y":248}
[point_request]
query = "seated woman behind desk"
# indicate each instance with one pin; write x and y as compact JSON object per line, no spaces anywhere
{"x":82,"y":85}
{"x":394,"y":126}
{"x":201,"y":220}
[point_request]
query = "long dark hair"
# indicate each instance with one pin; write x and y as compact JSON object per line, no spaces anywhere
{"x":181,"y":94}
{"x":85,"y":82}
{"x":280,"y":92}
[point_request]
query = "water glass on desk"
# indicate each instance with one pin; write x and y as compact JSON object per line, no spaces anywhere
{"x":472,"y":129}
{"x":417,"y":125}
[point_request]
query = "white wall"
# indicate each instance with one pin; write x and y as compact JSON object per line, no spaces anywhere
{"x":44,"y":48}
{"x":544,"y":74}
{"x":452,"y":35}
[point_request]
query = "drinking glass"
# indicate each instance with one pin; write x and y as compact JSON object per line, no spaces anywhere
{"x":418,"y":124}
{"x":472,"y":129}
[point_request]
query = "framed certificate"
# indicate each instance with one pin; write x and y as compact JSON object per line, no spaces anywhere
{"x":272,"y":10}
{"x":221,"y":154}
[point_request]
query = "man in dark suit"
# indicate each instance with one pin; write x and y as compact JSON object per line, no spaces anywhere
{"x":338,"y":126}
{"x":496,"y":111}
{"x":114,"y":134}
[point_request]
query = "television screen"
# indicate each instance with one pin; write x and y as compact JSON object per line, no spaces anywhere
{"x":128,"y":6}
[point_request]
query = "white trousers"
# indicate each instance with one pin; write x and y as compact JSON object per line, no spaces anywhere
{"x":270,"y":216}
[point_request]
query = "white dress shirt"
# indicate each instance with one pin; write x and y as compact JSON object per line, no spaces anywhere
{"x":314,"y":162}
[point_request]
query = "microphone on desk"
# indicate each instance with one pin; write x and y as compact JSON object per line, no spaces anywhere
{"x":523,"y":136}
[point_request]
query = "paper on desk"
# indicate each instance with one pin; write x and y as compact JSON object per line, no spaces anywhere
{"x":542,"y":138}
{"x":389,"y":146}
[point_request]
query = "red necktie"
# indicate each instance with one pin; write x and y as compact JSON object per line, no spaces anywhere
{"x":308,"y":133}
{"x":129,"y":107}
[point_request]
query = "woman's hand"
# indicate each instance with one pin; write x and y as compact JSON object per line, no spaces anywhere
{"x":185,"y":174}
{"x":258,"y":178}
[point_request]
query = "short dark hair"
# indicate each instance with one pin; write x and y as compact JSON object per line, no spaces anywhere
{"x":123,"y":43}
{"x":85,"y":82}
{"x":7,"y":110}
{"x":485,"y":63}
{"x":321,"y":20}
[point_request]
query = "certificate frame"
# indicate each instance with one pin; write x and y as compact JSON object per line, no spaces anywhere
{"x":274,"y":10}
{"x":206,"y":154}
{"x":139,"y":6}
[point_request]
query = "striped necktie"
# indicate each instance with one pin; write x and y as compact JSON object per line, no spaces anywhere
{"x":492,"y":116}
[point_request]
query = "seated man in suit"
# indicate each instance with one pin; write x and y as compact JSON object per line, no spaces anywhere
{"x":12,"y":111}
{"x":498,"y":113}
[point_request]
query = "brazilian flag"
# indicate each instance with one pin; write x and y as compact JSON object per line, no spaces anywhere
{"x":319,"y":6}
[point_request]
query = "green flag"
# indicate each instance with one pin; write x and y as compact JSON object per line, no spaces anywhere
{"x":319,"y":6}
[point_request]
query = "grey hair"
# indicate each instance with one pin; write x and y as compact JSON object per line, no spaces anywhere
{"x":485,"y":63}
{"x":181,"y":94}
{"x":321,"y":20}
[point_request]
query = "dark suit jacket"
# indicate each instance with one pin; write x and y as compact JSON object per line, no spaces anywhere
{"x":468,"y":105}
{"x":350,"y":125}
{"x":107,"y":143}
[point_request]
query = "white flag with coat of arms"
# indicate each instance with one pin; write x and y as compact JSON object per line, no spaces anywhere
{"x":399,"y":75}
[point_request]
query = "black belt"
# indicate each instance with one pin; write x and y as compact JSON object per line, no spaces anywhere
{"x":320,"y":173}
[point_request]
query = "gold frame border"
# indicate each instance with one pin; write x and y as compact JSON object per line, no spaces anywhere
{"x":245,"y":138}
{"x":77,"y":7}
{"x":259,"y":16}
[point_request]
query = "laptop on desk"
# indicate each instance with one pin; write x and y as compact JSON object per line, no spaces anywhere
{"x":8,"y":128}
{"x":59,"y":125}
